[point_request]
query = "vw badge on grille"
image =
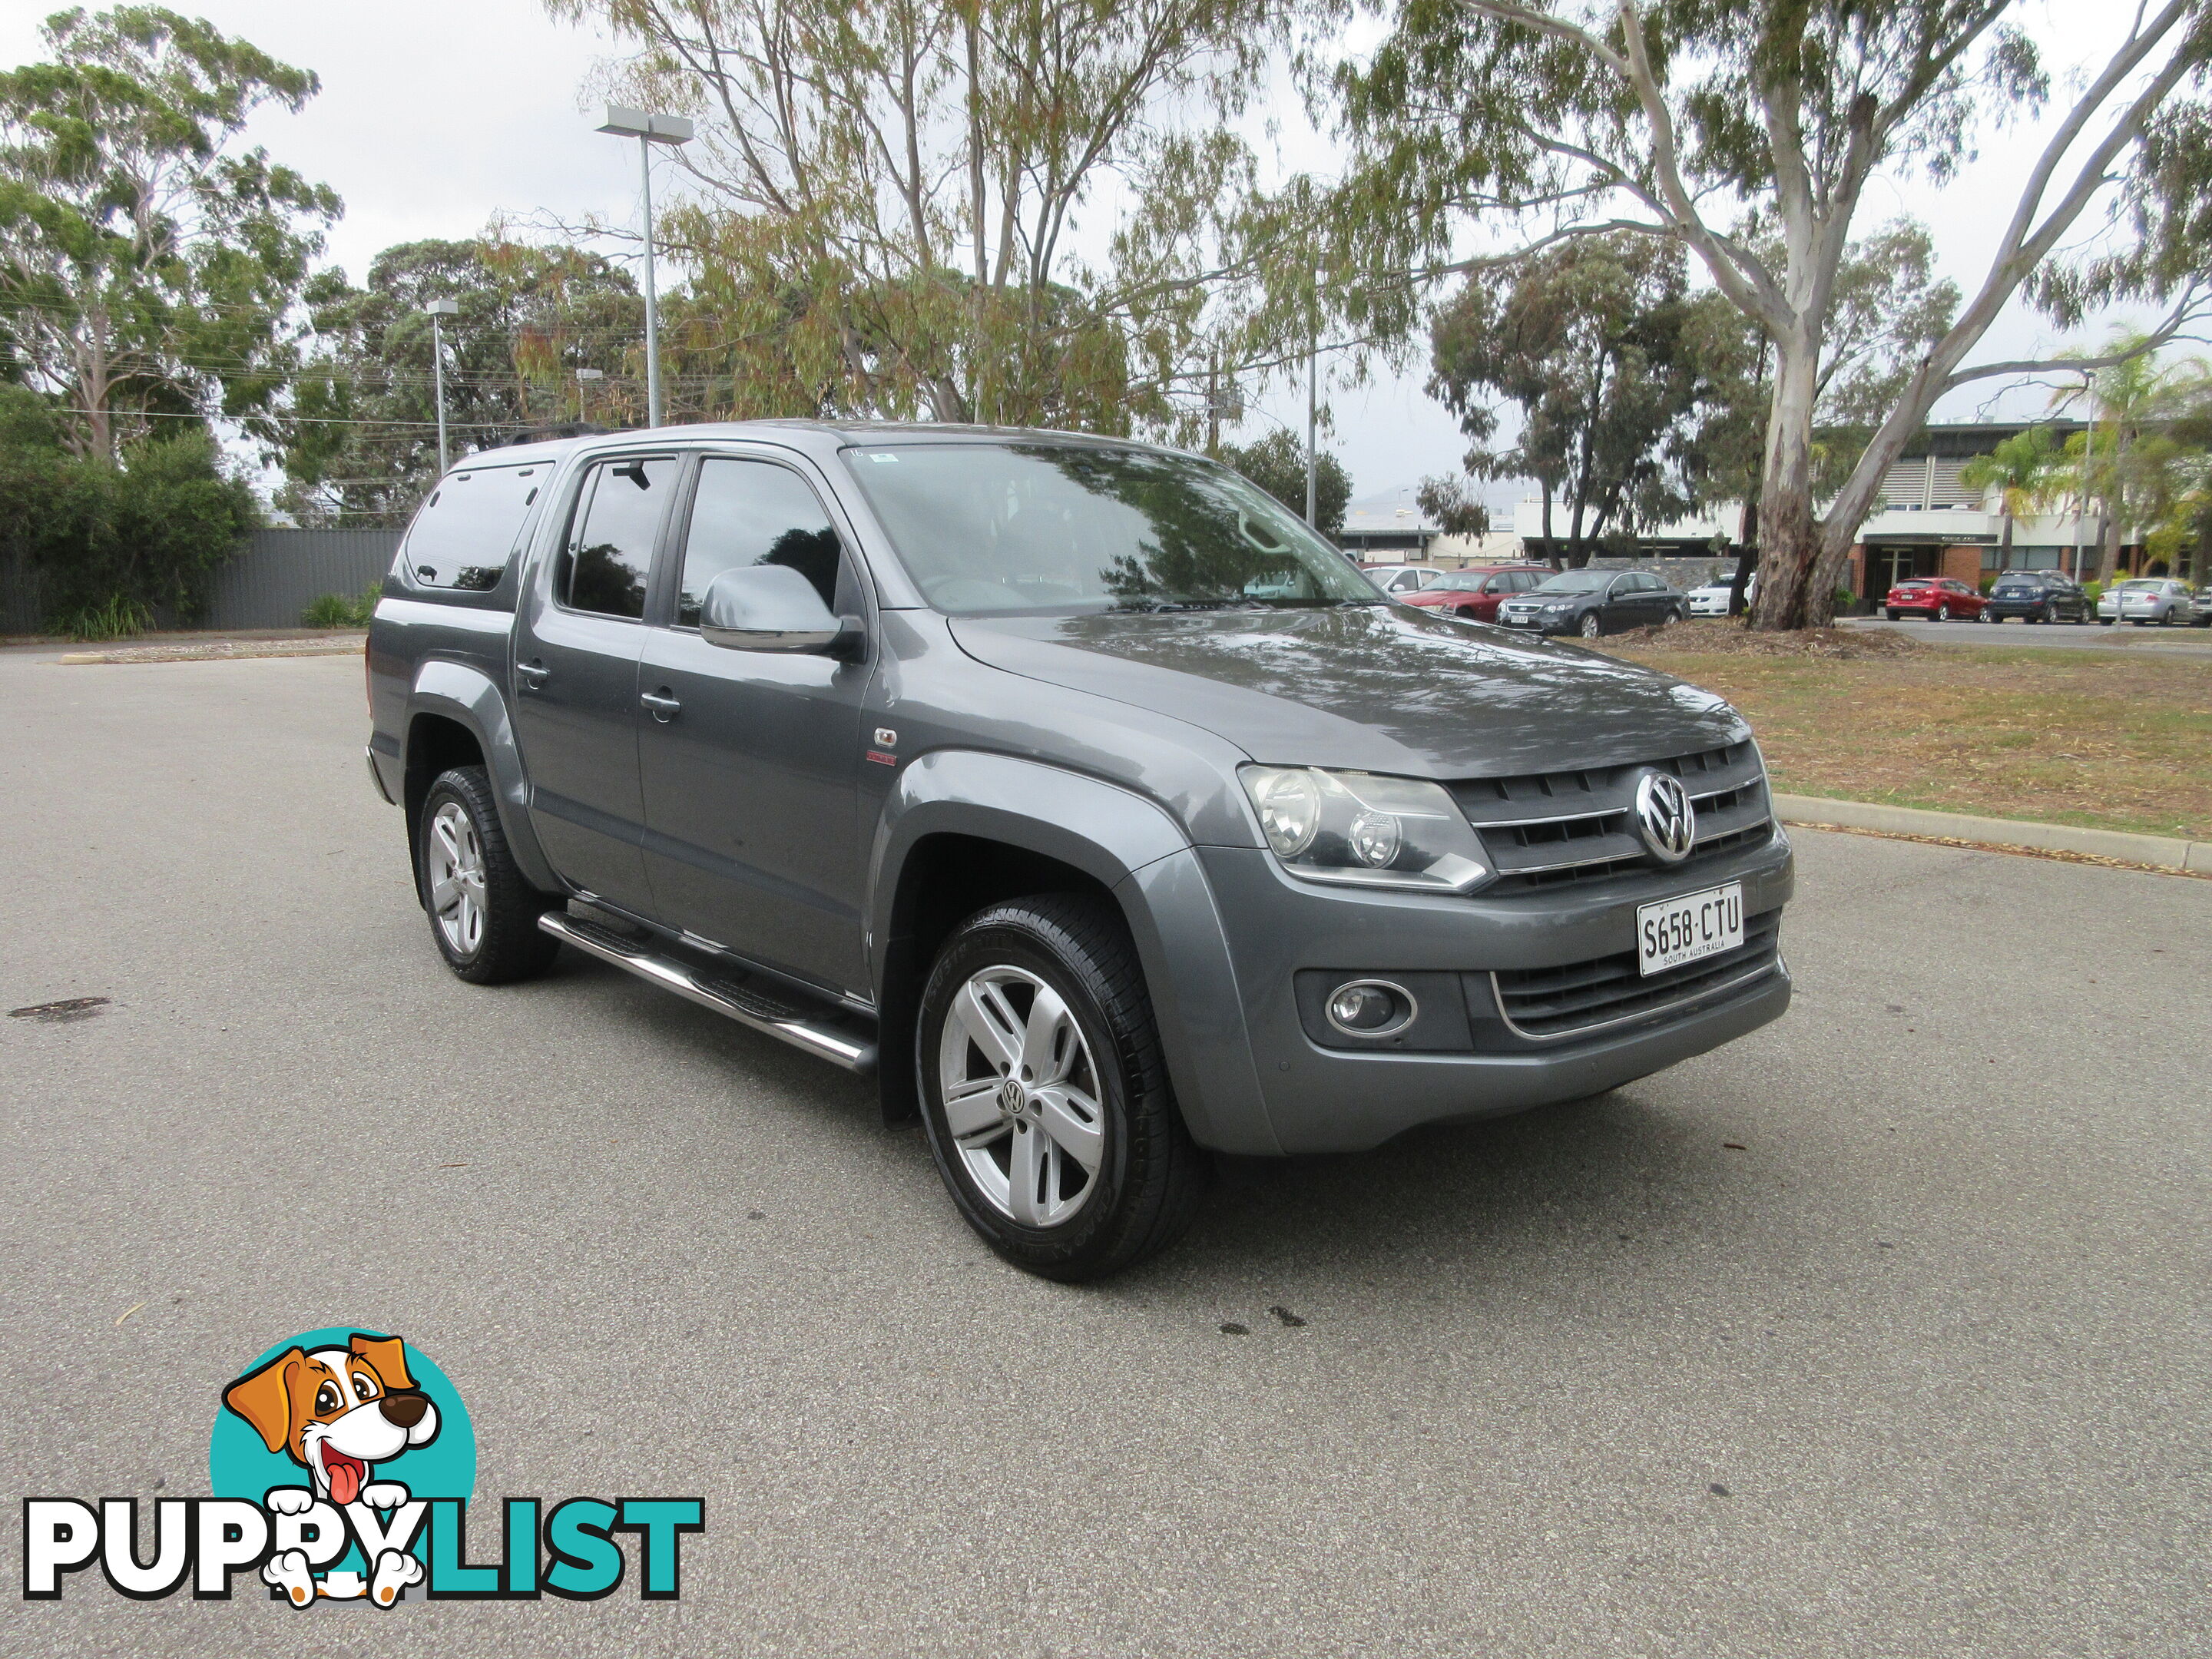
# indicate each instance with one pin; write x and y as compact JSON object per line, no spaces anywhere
{"x":1664,"y":817}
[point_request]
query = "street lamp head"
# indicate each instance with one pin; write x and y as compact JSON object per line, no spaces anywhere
{"x":443,"y":308}
{"x":653,"y":129}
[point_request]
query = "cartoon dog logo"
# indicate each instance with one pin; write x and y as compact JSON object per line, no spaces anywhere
{"x":338,"y":1413}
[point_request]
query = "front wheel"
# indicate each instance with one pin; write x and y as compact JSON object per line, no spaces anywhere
{"x":484,"y":913}
{"x":1588,"y":627}
{"x":1045,"y":1094}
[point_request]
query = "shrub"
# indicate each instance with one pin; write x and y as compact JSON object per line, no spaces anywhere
{"x":114,"y":618}
{"x":337,"y":611}
{"x":111,"y":540}
{"x":331,"y":610}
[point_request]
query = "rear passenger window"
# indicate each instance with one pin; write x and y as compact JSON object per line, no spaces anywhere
{"x":465,"y":534}
{"x":608,"y":556}
{"x":746,"y":513}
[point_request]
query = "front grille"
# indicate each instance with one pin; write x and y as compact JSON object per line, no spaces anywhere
{"x":1547,"y":828}
{"x":1581,"y":996}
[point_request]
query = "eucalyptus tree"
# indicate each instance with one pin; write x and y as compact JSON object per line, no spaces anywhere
{"x":1277,"y":463}
{"x":1702,"y":121}
{"x":1591,"y":341}
{"x":148,"y":261}
{"x":884,"y":210}
{"x":357,"y":437}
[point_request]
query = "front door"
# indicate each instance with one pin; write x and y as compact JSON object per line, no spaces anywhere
{"x":751,"y":778}
{"x":576,"y":647}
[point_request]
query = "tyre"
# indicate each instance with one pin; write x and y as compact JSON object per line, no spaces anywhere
{"x":1889,"y":614}
{"x":2104,"y":622}
{"x":483,"y":914}
{"x":1588,"y":628}
{"x":1044,"y":1092}
{"x":1938,"y":615}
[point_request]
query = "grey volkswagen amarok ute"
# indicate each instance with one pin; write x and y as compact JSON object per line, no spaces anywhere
{"x":1073,"y":786}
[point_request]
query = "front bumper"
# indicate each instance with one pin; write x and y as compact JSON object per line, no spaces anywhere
{"x":1319,"y":1099}
{"x":1535,"y":623}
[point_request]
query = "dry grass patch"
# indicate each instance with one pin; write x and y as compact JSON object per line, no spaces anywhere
{"x":2112,"y":740}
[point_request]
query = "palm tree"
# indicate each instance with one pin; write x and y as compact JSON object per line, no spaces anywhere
{"x":2022,"y":471}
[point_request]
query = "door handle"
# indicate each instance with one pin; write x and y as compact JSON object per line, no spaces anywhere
{"x":663,"y":706}
{"x":533,"y":674}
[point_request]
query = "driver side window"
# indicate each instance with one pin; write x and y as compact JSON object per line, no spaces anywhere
{"x":748,"y":512}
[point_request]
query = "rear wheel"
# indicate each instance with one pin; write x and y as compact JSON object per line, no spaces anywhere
{"x":1937,"y":615}
{"x":1045,"y":1093}
{"x":1889,"y":614}
{"x":484,"y":913}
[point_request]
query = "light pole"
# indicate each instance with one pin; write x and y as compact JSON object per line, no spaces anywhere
{"x":1313,"y":375}
{"x":439,"y":310}
{"x":648,"y":131}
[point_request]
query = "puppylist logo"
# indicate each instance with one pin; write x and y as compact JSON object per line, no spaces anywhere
{"x":340,"y":1467}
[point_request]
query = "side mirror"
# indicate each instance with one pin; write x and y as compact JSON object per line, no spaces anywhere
{"x":772,"y":607}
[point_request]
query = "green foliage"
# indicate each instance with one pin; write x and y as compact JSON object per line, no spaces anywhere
{"x":1592,"y":342}
{"x":2027,"y":471}
{"x":108,"y":539}
{"x":146,"y":264}
{"x":338,"y":611}
{"x":884,"y":222}
{"x":1277,"y":463}
{"x":114,"y":618}
{"x":359,"y":444}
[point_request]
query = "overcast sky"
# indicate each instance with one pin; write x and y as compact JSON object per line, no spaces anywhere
{"x":436,"y":115}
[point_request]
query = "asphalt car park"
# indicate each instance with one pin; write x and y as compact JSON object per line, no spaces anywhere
{"x":1879,"y":1330}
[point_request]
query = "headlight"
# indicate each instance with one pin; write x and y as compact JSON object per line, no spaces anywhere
{"x":1365,"y":831}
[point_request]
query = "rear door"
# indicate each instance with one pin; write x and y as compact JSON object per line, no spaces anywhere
{"x":579,"y":632}
{"x":751,"y":778}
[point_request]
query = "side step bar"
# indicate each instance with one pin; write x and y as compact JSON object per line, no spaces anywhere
{"x":820,"y":1035}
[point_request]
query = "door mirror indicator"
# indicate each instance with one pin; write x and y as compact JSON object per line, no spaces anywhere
{"x":772,"y":607}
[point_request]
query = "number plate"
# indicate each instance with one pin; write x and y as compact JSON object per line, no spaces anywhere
{"x":1678,"y":930}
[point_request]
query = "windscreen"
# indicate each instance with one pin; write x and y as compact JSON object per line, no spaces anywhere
{"x":1575,"y":581}
{"x":467,"y":531}
{"x":989,"y":529}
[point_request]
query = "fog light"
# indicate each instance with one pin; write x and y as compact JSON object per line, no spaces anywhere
{"x":1371,"y":1008}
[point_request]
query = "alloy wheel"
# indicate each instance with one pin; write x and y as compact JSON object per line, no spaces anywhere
{"x":1022,"y":1098}
{"x":457,"y":878}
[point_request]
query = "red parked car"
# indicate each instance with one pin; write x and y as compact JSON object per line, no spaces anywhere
{"x":1474,"y":592}
{"x":1934,"y":598}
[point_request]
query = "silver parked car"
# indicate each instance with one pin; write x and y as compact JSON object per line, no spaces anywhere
{"x":2203,"y":616}
{"x":2145,"y":600}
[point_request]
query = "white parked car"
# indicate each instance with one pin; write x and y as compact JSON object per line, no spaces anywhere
{"x":2145,"y":600}
{"x":1712,"y":599}
{"x":1400,"y":578}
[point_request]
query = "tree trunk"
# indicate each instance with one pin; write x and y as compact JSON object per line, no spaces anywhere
{"x":1790,"y":542}
{"x":1746,"y":558}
